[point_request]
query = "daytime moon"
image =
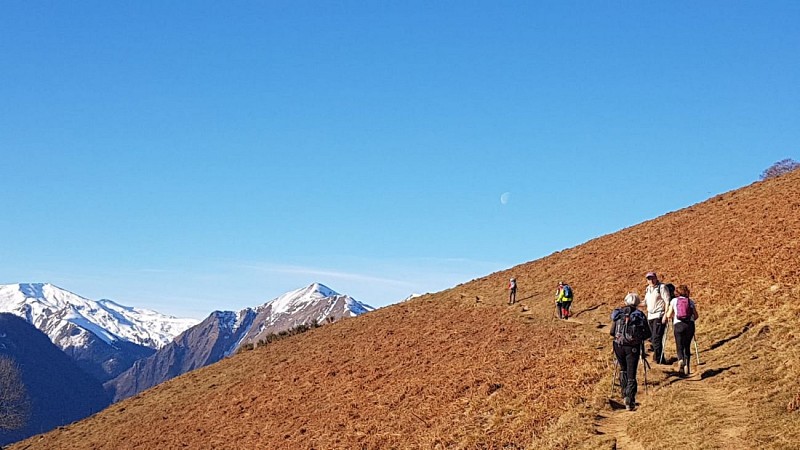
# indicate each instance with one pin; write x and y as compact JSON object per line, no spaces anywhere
{"x":505,"y":197}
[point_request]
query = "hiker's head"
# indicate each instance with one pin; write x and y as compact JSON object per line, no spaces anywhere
{"x":560,"y":283}
{"x":651,"y":277}
{"x":682,"y":291}
{"x":632,"y":299}
{"x":513,"y":279}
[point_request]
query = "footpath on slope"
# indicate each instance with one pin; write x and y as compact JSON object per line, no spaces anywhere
{"x":666,"y":399}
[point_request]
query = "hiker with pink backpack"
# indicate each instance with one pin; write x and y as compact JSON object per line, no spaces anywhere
{"x":683,"y":312}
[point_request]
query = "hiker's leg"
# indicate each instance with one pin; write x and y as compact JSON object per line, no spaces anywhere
{"x":683,"y":338}
{"x":619,"y":353}
{"x":631,"y":363}
{"x":676,"y":331}
{"x":566,"y":308}
{"x":560,"y":310}
{"x":687,"y":344}
{"x":657,"y":330}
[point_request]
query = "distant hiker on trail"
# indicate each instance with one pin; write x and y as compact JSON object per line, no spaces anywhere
{"x":656,"y":297}
{"x":683,"y":311}
{"x":630,"y":330}
{"x":512,"y":291}
{"x":563,"y":300}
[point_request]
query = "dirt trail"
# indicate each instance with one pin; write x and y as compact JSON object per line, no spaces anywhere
{"x":615,"y":425}
{"x":730,"y":415}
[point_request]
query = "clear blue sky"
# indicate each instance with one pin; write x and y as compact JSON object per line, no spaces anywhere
{"x":193,"y":156}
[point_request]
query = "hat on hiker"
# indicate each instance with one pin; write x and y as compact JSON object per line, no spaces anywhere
{"x":632,"y":299}
{"x":650,"y":275}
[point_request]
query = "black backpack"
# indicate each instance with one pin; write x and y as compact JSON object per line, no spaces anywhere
{"x":630,"y":326}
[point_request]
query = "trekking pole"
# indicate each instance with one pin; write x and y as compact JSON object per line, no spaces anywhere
{"x":614,"y":377}
{"x":646,"y":366}
{"x":664,"y":343}
{"x":696,"y":350}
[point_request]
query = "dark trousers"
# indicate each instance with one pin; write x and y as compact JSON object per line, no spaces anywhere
{"x":563,"y":309}
{"x":657,"y":339}
{"x":628,"y":359}
{"x":512,"y":296}
{"x":684,"y":333}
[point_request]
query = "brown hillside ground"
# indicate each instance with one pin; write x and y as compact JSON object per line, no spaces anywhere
{"x":461,"y":369}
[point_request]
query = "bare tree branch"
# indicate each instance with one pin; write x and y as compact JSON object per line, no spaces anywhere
{"x":14,"y":403}
{"x":779,"y":168}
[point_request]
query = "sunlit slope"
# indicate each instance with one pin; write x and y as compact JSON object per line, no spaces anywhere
{"x":460,"y":369}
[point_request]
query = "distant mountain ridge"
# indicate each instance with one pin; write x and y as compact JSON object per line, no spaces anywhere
{"x":102,"y":336}
{"x":222,"y":333}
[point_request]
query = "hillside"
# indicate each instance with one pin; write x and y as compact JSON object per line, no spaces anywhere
{"x":461,"y":369}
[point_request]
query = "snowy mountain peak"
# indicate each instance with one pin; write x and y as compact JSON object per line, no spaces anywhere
{"x":296,"y":299}
{"x":54,"y":310}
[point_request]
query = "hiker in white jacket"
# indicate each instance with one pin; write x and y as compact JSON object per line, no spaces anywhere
{"x":656,"y":297}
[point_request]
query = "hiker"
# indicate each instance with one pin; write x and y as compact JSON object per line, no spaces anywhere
{"x":563,"y":300}
{"x":656,"y":297}
{"x":629,"y":328}
{"x":512,"y":291}
{"x":683,"y":312}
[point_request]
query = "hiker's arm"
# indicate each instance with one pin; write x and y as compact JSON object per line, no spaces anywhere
{"x":694,"y":312}
{"x":668,"y":314}
{"x":613,"y":328}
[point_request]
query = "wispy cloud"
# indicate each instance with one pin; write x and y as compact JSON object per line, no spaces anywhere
{"x":325,"y":273}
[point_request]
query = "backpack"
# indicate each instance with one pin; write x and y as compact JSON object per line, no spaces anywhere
{"x":671,"y":290}
{"x":683,"y":309}
{"x":567,"y":291}
{"x":630,"y":327}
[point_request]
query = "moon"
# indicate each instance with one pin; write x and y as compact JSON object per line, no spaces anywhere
{"x":505,"y":197}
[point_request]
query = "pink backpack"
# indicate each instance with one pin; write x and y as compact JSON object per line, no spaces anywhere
{"x":683,"y":309}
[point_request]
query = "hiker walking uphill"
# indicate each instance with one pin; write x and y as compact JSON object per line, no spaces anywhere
{"x":512,"y":291}
{"x":563,"y":300}
{"x":656,"y":297}
{"x":629,"y":328}
{"x":683,"y":311}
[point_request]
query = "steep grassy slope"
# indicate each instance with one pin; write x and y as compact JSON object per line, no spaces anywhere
{"x":460,"y":369}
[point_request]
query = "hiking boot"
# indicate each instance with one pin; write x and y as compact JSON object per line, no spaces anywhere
{"x":681,"y":365}
{"x":627,"y":402}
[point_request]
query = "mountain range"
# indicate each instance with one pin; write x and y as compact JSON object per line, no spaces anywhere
{"x":222,"y":333}
{"x":103,"y":337}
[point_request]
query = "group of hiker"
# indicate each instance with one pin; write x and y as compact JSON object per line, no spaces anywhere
{"x":630,"y":327}
{"x":563,"y":297}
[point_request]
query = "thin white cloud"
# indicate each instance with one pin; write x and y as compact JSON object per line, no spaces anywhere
{"x":325,"y":273}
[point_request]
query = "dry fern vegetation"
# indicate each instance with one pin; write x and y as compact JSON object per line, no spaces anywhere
{"x":461,"y":369}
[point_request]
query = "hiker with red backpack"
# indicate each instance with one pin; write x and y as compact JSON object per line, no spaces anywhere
{"x":656,"y":297}
{"x":563,"y":300}
{"x":683,"y":312}
{"x":630,"y":329}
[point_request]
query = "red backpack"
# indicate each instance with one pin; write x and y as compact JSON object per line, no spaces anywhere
{"x":683,"y":309}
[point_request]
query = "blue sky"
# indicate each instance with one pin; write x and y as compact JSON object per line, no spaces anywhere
{"x":193,"y":156}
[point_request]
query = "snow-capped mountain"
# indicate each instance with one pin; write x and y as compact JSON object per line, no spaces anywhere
{"x":224,"y":332}
{"x":103,"y":337}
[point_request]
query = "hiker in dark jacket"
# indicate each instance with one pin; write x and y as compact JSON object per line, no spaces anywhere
{"x":629,"y":328}
{"x":512,"y":291}
{"x":683,"y":312}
